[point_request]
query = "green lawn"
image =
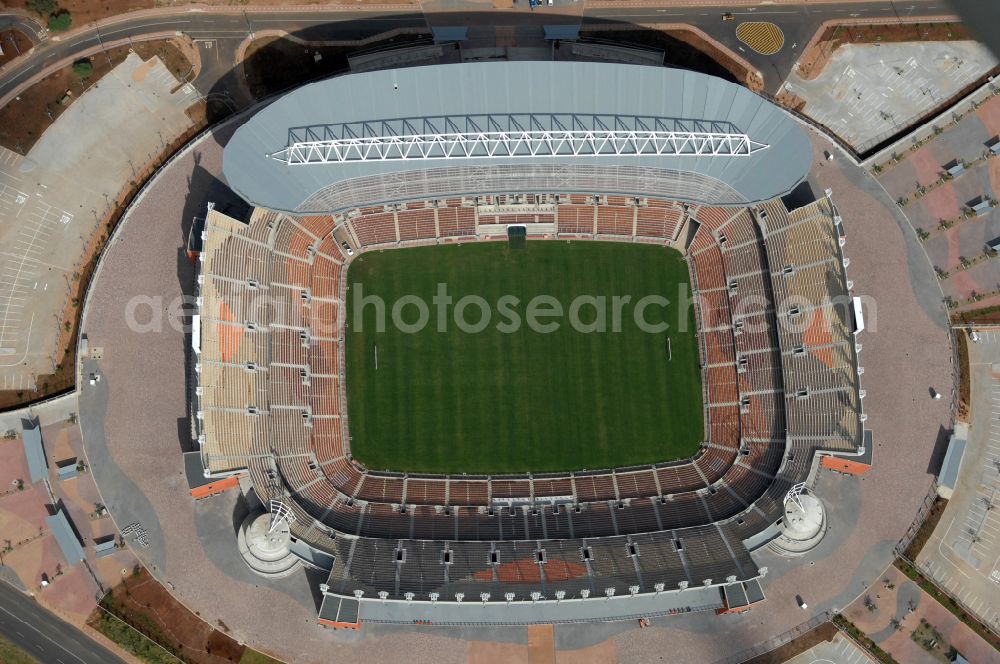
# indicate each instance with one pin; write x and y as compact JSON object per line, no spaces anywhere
{"x":496,"y":402}
{"x":12,"y":654}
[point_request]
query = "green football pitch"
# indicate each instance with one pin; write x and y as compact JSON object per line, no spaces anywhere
{"x":496,"y":397}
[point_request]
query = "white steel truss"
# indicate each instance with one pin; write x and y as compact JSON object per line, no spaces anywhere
{"x":794,"y":493}
{"x":528,"y":143}
{"x":279,"y":513}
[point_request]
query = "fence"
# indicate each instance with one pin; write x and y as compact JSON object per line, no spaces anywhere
{"x":904,"y":543}
{"x":993,"y":627}
{"x":777,"y":641}
{"x":931,"y":126}
{"x":922,"y":512}
{"x":132,"y":628}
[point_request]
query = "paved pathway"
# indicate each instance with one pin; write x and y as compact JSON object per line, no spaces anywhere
{"x":908,"y":604}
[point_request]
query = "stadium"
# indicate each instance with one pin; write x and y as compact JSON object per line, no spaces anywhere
{"x":658,"y":177}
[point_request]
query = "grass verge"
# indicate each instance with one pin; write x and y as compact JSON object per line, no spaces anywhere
{"x":142,"y":617}
{"x":12,"y":654}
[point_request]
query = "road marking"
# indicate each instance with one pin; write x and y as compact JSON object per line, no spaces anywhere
{"x":41,"y":634}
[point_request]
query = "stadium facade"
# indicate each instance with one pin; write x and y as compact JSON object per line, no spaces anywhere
{"x":460,"y":153}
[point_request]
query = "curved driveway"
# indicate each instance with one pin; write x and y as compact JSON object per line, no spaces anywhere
{"x":29,"y":25}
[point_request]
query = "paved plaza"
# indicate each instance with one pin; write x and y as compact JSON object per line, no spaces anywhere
{"x":31,"y":552}
{"x":894,"y":607}
{"x":956,"y":249}
{"x":53,"y":200}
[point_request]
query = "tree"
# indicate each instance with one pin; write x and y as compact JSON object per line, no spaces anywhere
{"x":60,"y":22}
{"x":42,"y":7}
{"x":83,"y":68}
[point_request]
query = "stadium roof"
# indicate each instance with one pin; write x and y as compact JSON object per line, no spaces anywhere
{"x":564,"y":125}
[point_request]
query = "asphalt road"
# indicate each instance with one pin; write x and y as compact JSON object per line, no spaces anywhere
{"x":29,"y":26}
{"x":207,"y":26}
{"x":44,"y":636}
{"x":798,"y":23}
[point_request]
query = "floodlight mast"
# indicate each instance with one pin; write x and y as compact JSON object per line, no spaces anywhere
{"x":518,"y":144}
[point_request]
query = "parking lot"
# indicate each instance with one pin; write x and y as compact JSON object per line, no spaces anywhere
{"x":53,"y":201}
{"x":868,"y":92}
{"x":963,"y":555}
{"x":29,"y":225}
{"x":840,"y":649}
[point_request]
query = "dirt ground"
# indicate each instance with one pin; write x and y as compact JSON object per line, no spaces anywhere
{"x":926,"y":528}
{"x":149,"y":607}
{"x":24,"y":120}
{"x":789,"y":100}
{"x":84,"y":11}
{"x":815,"y":58}
{"x":964,"y":386}
{"x":985,"y":316}
{"x":14,"y":43}
{"x":272,"y":64}
{"x":824,"y":632}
